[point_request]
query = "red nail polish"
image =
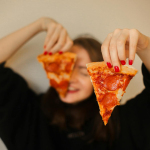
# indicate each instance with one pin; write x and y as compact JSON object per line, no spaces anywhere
{"x":130,"y":62}
{"x":109,"y":65}
{"x":116,"y":69}
{"x":123,"y":62}
{"x":44,"y":46}
{"x":45,"y":53}
{"x":50,"y":53}
{"x":60,"y":52}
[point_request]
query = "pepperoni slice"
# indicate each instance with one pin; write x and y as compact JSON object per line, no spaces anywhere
{"x":109,"y":100}
{"x":52,"y":67}
{"x":111,"y":83}
{"x":68,"y":67}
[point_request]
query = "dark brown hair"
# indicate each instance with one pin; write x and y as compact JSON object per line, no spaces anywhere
{"x":77,"y":116}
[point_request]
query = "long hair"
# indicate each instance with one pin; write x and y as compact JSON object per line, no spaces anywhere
{"x":76,"y":116}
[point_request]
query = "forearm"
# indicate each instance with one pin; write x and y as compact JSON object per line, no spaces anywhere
{"x":145,"y":56}
{"x":11,"y":43}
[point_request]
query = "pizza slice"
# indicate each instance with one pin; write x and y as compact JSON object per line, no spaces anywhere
{"x":58,"y":68}
{"x":109,"y":86}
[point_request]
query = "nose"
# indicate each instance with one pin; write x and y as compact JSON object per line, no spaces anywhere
{"x":74,"y":74}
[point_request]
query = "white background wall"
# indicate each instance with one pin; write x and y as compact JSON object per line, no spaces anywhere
{"x":97,"y":17}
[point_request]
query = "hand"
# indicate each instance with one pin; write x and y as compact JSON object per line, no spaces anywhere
{"x":122,"y":44}
{"x":57,"y":38}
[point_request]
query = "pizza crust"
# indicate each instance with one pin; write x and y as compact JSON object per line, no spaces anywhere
{"x":124,"y":69}
{"x":52,"y":58}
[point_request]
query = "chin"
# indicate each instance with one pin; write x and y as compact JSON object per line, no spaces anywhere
{"x":71,"y":98}
{"x":68,"y":100}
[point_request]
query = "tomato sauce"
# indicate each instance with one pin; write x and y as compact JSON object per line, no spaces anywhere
{"x":57,"y":68}
{"x":62,"y":85}
{"x":68,"y":67}
{"x":107,"y":114}
{"x":126,"y":82}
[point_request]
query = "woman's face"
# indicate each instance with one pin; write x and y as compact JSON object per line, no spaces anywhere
{"x":80,"y":86}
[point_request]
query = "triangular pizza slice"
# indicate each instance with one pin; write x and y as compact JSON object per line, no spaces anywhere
{"x":109,"y":86}
{"x":58,"y":68}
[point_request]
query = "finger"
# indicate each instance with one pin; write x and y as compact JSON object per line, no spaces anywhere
{"x":113,"y":50}
{"x":68,"y":45}
{"x":121,"y":43}
{"x":61,"y":41}
{"x":54,"y":38}
{"x":105,"y":50}
{"x":51,"y":30}
{"x":133,"y":40}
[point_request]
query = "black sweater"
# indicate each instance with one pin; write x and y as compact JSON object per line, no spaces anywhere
{"x":23,"y":126}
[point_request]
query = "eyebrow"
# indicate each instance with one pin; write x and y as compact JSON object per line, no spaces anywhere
{"x":82,"y":67}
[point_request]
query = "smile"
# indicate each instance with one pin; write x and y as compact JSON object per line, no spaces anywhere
{"x":72,"y":90}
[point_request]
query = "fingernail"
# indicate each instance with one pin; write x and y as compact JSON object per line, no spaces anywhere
{"x":44,"y":46}
{"x":130,"y":62}
{"x":50,"y":53}
{"x":116,"y":68}
{"x":60,"y":52}
{"x":45,"y":53}
{"x":109,"y":65}
{"x":123,"y":62}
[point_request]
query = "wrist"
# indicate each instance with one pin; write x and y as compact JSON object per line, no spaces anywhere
{"x":145,"y":48}
{"x":148,"y":44}
{"x":44,"y":21}
{"x":145,"y":54}
{"x":40,"y":23}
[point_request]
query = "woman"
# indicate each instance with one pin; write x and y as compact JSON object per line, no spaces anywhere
{"x":30,"y":121}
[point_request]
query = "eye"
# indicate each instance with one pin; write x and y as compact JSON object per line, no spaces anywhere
{"x":84,"y":74}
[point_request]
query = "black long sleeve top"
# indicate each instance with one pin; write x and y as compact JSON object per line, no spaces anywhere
{"x":23,"y":126}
